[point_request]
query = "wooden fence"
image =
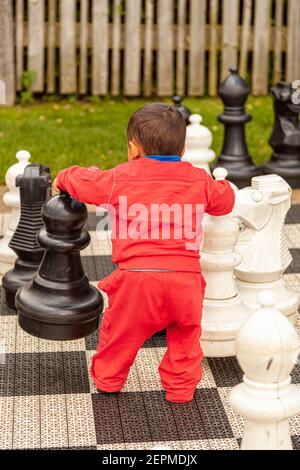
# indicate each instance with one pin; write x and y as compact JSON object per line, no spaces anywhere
{"x":147,"y":47}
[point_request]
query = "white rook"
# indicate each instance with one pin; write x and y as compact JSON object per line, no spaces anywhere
{"x":12,"y":200}
{"x":267,"y":349}
{"x":261,"y":210}
{"x":197,"y":145}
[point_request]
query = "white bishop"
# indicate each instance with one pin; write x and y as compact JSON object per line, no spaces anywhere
{"x":267,"y":348}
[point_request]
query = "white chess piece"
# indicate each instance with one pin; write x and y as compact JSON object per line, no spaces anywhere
{"x":223,"y":310}
{"x":267,"y":348}
{"x":12,"y":200}
{"x":221,"y":173}
{"x":198,"y":142}
{"x":261,"y":210}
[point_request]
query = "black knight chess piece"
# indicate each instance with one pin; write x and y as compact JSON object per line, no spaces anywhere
{"x":59,"y":303}
{"x":285,"y":138}
{"x":35,"y":188}
{"x":184,"y":111}
{"x":234,"y":156}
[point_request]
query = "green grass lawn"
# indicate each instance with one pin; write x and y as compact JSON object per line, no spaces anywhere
{"x":61,"y":134}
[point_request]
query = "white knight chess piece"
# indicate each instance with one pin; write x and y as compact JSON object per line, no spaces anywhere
{"x":12,"y":200}
{"x":198,"y":142}
{"x":261,"y":210}
{"x":267,"y":349}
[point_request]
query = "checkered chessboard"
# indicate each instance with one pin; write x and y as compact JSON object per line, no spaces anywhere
{"x":48,"y":401}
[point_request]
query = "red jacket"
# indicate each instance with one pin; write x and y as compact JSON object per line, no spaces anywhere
{"x":162,"y":201}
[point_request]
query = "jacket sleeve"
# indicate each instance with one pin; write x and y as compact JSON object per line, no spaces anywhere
{"x":88,"y":185}
{"x":220,"y":197}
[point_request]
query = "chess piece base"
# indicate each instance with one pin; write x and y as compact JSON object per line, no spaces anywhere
{"x":16,"y":278}
{"x":287,"y":301}
{"x":288,"y":169}
{"x":266,"y":408}
{"x":56,"y":311}
{"x":221,"y":321}
{"x":57,"y":332}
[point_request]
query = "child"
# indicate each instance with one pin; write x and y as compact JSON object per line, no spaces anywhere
{"x":156,"y":202}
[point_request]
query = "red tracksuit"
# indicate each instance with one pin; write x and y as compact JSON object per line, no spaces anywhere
{"x":142,"y":301}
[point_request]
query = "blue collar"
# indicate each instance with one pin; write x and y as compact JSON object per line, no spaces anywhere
{"x":164,"y":158}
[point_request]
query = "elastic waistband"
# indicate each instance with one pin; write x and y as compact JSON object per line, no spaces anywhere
{"x":165,"y":263}
{"x":148,"y":270}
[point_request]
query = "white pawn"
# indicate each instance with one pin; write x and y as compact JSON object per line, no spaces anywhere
{"x":223,"y":310}
{"x":12,"y":200}
{"x":267,"y":349}
{"x":221,"y":173}
{"x":197,"y":145}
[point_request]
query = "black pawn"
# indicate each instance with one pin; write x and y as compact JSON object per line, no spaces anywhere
{"x":59,"y":303}
{"x":182,"y":109}
{"x":285,"y":138}
{"x":35,"y":187}
{"x":234,"y":156}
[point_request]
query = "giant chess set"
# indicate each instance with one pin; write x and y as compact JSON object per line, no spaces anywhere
{"x":51,"y":258}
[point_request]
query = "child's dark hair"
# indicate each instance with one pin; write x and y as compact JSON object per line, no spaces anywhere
{"x":158,"y":128}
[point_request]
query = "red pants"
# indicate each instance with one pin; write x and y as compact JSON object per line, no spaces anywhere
{"x":140,"y":304}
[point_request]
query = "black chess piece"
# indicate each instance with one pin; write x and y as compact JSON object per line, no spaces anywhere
{"x":182,"y":109}
{"x":234,"y":156}
{"x":59,"y":303}
{"x":35,"y":188}
{"x":285,"y":137}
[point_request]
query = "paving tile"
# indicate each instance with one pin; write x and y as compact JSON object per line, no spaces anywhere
{"x":81,"y":422}
{"x":236,"y":421}
{"x":76,"y":372}
{"x":4,"y":309}
{"x":54,"y":424}
{"x":212,"y":412}
{"x":134,"y":418}
{"x":6,"y":422}
{"x":292,"y":233}
{"x":8,"y":328}
{"x":224,"y":444}
{"x":225,"y":370}
{"x":294,"y":267}
{"x":27,"y":426}
{"x":293,"y":215}
{"x":107,"y":419}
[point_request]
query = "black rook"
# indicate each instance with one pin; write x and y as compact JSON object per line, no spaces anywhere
{"x":35,"y":187}
{"x":285,"y":138}
{"x":234,"y":156}
{"x":59,"y":303}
